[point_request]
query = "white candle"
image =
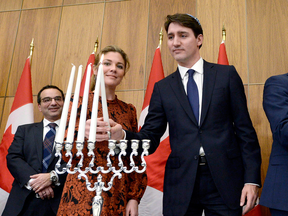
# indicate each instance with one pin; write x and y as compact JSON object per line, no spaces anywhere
{"x":61,"y":132}
{"x":104,"y":100}
{"x":82,"y":121}
{"x":72,"y":120}
{"x":93,"y":125}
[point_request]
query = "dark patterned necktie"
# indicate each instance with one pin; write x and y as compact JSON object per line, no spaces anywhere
{"x":48,"y":146}
{"x":193,"y":95}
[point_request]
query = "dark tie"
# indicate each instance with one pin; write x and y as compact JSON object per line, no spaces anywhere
{"x":48,"y":146}
{"x":192,"y":93}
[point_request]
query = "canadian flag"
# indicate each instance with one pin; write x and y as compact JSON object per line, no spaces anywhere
{"x":222,"y":56}
{"x":21,"y":113}
{"x":90,"y":60}
{"x":151,"y":202}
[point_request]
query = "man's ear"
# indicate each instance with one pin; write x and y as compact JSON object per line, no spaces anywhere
{"x":200,"y":40}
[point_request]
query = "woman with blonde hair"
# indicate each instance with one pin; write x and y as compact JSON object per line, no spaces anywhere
{"x":124,"y":196}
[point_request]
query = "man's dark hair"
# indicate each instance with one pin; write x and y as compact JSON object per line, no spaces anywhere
{"x":48,"y":87}
{"x":185,"y":20}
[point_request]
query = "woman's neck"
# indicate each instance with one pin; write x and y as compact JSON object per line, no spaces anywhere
{"x":110,"y":94}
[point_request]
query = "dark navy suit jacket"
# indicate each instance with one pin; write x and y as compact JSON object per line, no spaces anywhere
{"x":275,"y":104}
{"x":225,"y":132}
{"x":25,"y":159}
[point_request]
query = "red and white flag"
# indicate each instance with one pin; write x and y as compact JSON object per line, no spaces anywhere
{"x":222,"y":56}
{"x":90,"y":60}
{"x":151,"y":202}
{"x":21,"y":113}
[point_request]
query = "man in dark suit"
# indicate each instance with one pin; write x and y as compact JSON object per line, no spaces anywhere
{"x":37,"y":188}
{"x":215,"y":157}
{"x":275,"y":103}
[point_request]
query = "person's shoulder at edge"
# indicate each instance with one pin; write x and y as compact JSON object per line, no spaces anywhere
{"x":277,"y":77}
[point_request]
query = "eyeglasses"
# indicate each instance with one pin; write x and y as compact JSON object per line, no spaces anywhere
{"x":47,"y":100}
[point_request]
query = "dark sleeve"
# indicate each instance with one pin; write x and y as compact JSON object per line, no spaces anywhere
{"x":155,"y":122}
{"x":275,"y":104}
{"x":17,"y":160}
{"x":244,"y":130}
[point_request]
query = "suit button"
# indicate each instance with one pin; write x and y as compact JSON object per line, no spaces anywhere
{"x":196,"y":157}
{"x":200,"y":131}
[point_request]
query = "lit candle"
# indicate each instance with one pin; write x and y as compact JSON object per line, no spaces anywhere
{"x":82,"y":121}
{"x":72,"y":120}
{"x":93,"y":125}
{"x":60,"y":133}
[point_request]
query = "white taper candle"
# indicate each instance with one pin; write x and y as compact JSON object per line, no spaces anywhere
{"x":61,"y":132}
{"x":72,"y":120}
{"x":93,"y":125}
{"x":82,"y":121}
{"x":104,"y":100}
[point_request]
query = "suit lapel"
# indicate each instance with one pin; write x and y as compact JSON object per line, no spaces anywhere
{"x":178,"y":89}
{"x":208,"y":86}
{"x":38,"y":137}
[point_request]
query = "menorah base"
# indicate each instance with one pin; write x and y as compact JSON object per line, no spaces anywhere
{"x":99,"y":186}
{"x":97,"y":205}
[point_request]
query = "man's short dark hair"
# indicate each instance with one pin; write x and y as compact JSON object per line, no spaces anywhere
{"x":48,"y":87}
{"x":185,"y":20}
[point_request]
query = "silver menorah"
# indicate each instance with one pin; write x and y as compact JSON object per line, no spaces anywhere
{"x":114,"y":148}
{"x":99,"y":186}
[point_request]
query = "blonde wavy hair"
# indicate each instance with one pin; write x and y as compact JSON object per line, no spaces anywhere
{"x":107,"y":49}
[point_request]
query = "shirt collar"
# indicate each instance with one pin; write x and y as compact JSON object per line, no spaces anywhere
{"x":198,"y":67}
{"x":46,"y":122}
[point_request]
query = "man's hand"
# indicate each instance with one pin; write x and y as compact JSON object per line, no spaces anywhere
{"x":250,"y":194}
{"x":47,"y":193}
{"x":102,"y":130}
{"x":116,"y":131}
{"x":40,"y":181}
{"x":132,"y":208}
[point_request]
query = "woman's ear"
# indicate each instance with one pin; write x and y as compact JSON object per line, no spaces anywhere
{"x":95,"y":69}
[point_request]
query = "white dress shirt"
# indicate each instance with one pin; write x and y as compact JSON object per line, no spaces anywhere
{"x":198,"y":78}
{"x":46,"y":128}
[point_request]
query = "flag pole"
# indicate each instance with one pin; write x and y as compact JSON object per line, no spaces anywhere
{"x":31,"y":47}
{"x":96,"y":45}
{"x":31,"y":51}
{"x":223,"y":33}
{"x":222,"y":55}
{"x":160,"y":38}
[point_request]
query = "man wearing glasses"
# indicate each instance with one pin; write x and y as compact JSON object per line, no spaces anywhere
{"x":31,"y":160}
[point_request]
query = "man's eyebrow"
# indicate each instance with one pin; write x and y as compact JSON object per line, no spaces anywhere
{"x":182,"y":32}
{"x":178,"y":32}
